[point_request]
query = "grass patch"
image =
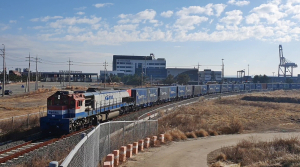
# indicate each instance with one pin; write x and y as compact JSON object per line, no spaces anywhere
{"x":249,"y":152}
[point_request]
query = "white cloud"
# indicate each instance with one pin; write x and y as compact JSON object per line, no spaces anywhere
{"x":269,"y":11}
{"x":100,"y":5}
{"x":20,"y":28}
{"x":74,"y":20}
{"x":80,"y":8}
{"x":80,"y":13}
{"x":208,"y":10}
{"x":219,"y":8}
{"x":38,"y":27}
{"x":45,"y":19}
{"x":12,"y":21}
{"x":75,"y":30}
{"x":219,"y":27}
{"x":143,"y":16}
{"x":233,"y":17}
{"x":167,"y":14}
{"x":238,"y":3}
{"x":189,"y":22}
{"x":4,"y":27}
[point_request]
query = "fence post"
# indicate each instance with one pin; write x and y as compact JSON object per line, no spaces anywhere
{"x":149,"y":128}
{"x":123,"y":132}
{"x":53,"y":164}
{"x":28,"y":120}
{"x":12,"y":121}
{"x":109,"y":136}
{"x":156,"y":126}
{"x":134,"y":130}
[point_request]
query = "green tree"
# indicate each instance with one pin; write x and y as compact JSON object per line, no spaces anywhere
{"x":183,"y":79}
{"x":169,"y":80}
{"x":261,"y":79}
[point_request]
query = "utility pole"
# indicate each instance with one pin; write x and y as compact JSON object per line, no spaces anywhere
{"x":3,"y":72}
{"x":105,"y":64}
{"x":70,"y":71}
{"x":28,"y":77}
{"x":36,"y":73}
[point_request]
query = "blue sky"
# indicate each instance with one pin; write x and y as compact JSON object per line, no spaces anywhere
{"x":184,"y":32}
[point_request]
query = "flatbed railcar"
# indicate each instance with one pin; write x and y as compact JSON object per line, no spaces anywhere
{"x":68,"y":111}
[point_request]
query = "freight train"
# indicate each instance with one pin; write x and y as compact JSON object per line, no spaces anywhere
{"x":68,"y":111}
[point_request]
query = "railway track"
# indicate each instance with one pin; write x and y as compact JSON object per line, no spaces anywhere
{"x":19,"y":150}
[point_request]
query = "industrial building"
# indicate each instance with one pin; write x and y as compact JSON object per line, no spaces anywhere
{"x":141,"y":65}
{"x":209,"y":75}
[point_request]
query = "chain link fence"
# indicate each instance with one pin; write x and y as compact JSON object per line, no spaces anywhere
{"x":105,"y":138}
{"x":21,"y":122}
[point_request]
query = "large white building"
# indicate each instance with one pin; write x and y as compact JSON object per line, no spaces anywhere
{"x":130,"y":65}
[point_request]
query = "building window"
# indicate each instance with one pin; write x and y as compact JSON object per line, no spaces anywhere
{"x":118,"y":63}
{"x":162,"y":63}
{"x":118,"y":66}
{"x":122,"y":63}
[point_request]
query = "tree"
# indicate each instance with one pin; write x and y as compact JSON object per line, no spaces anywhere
{"x":183,"y":79}
{"x":261,"y":79}
{"x":169,"y":80}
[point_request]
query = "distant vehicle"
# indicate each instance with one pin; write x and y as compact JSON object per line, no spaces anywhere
{"x":8,"y":92}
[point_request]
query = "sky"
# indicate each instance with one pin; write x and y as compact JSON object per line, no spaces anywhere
{"x":185,"y":33}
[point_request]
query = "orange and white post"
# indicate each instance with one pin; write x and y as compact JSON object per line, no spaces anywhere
{"x":135,"y":148}
{"x":154,"y":139}
{"x":141,"y":145}
{"x":110,"y":158}
{"x":129,"y":151}
{"x":162,"y":138}
{"x":116,"y":154}
{"x":123,"y":154}
{"x":147,"y":142}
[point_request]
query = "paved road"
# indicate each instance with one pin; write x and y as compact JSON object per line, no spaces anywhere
{"x":193,"y":152}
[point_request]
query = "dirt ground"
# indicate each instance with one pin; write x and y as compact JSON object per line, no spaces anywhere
{"x":193,"y":152}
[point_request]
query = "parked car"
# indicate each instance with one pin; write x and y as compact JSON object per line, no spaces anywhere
{"x":8,"y":92}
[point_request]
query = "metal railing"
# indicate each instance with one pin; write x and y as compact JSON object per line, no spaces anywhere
{"x":105,"y":138}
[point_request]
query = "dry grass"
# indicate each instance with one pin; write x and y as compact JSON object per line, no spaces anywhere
{"x":232,"y":115}
{"x":23,"y":104}
{"x":76,"y":87}
{"x":278,"y":152}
